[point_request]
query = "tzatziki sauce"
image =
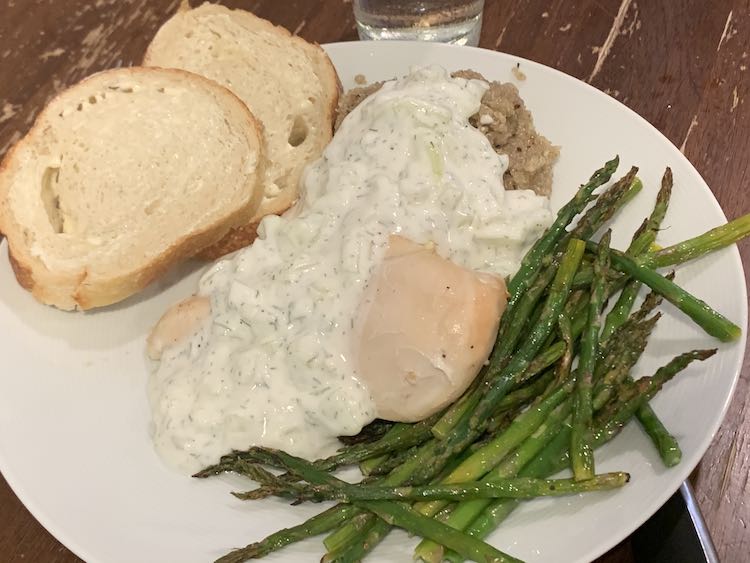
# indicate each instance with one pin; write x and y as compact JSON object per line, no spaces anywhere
{"x":272,"y":366}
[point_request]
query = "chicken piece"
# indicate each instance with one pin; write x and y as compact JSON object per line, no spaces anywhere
{"x":177,"y":324}
{"x":425,"y":328}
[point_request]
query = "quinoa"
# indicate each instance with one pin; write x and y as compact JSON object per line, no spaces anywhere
{"x":351,"y":99}
{"x":507,"y":124}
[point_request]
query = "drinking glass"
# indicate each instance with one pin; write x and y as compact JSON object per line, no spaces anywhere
{"x":455,"y":21}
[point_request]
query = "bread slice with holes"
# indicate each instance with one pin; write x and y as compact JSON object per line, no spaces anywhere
{"x":123,"y":175}
{"x":289,"y":84}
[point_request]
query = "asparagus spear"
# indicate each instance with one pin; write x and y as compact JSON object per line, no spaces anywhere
{"x":499,"y":422}
{"x":370,"y":433}
{"x":520,"y":487}
{"x":523,"y":395}
{"x":625,"y":323}
{"x":618,"y":370}
{"x":379,"y":466}
{"x":646,"y":235}
{"x":399,"y":437}
{"x":319,"y":524}
{"x":457,"y":411}
{"x":365,"y":527}
{"x":641,"y":242}
{"x":666,"y":444}
{"x":629,"y":340}
{"x":398,"y":514}
{"x":523,"y":310}
{"x":566,"y":333}
{"x":353,"y":547}
{"x":512,"y":405}
{"x":709,"y":320}
{"x":643,"y":390}
{"x":625,"y":189}
{"x":701,"y":245}
{"x":621,"y":309}
{"x":582,"y":456}
{"x":370,"y":465}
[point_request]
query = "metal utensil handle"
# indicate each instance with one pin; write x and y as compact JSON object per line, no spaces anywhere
{"x":709,"y":551}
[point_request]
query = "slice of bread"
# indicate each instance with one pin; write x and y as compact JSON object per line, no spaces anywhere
{"x":123,"y":175}
{"x":290,"y":85}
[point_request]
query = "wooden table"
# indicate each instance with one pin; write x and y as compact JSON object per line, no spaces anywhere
{"x":682,"y":64}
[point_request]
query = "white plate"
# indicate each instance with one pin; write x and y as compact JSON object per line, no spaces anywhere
{"x":74,"y":419}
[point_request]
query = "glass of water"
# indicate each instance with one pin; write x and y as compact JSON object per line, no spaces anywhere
{"x":446,"y":21}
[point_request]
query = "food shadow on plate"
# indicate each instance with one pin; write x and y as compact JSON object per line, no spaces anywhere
{"x":103,"y":328}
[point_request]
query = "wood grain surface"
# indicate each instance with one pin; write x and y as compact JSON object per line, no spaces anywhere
{"x":682,"y":64}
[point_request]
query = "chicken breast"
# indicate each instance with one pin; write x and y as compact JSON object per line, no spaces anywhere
{"x":425,"y":329}
{"x":177,"y":323}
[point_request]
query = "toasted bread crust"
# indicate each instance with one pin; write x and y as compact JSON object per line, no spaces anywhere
{"x":76,"y":288}
{"x":235,"y":239}
{"x":23,"y":274}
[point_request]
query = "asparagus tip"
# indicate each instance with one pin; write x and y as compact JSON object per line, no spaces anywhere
{"x":705,"y":354}
{"x":654,"y":318}
{"x":207,"y":472}
{"x":667,"y":175}
{"x":241,"y":554}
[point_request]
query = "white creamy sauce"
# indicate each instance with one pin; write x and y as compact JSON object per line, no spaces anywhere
{"x":273,"y":365}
